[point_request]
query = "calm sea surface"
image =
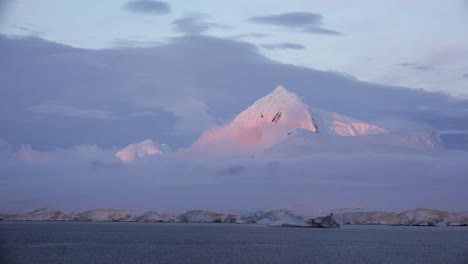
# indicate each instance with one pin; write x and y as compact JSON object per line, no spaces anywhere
{"x":116,"y":243}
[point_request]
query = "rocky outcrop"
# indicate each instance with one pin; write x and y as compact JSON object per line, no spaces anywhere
{"x":232,"y":219}
{"x":158,"y":217}
{"x":104,"y":215}
{"x":199,"y":216}
{"x":42,"y":214}
{"x":324,"y":222}
{"x":367,"y":218}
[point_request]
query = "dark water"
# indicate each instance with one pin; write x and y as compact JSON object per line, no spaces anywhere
{"x":116,"y":243}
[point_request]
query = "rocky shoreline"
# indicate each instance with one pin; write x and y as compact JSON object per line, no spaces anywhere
{"x":281,"y":218}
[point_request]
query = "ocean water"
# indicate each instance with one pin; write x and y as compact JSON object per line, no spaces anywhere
{"x":116,"y":243}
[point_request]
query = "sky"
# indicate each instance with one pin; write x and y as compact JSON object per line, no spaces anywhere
{"x":416,"y":44}
{"x":81,"y":80}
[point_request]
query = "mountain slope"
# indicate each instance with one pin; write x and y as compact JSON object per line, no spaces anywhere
{"x":301,"y":142}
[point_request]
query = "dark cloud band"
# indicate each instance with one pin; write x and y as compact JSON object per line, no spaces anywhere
{"x":305,"y":21}
{"x":148,"y":7}
{"x":416,"y":66}
{"x":284,"y":46}
{"x":195,"y":24}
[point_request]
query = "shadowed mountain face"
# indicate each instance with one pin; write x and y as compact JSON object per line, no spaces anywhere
{"x":117,"y":96}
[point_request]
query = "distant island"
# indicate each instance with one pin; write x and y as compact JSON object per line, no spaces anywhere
{"x":279,"y":217}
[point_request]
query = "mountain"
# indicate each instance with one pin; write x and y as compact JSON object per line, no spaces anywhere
{"x":286,"y":109}
{"x":272,"y":118}
{"x":138,"y":150}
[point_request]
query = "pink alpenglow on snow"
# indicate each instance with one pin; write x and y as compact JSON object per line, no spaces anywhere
{"x":28,"y":154}
{"x":138,"y":150}
{"x":271,"y":118}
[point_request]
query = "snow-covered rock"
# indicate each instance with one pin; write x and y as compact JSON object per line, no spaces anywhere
{"x":458,"y":219}
{"x":104,"y":215}
{"x":284,"y":218}
{"x":422,"y":217}
{"x":277,"y":217}
{"x":42,"y":214}
{"x":251,"y":218}
{"x":158,"y":217}
{"x":199,"y":216}
{"x":416,"y":217}
{"x":334,"y":124}
{"x":138,"y":150}
{"x":367,"y":218}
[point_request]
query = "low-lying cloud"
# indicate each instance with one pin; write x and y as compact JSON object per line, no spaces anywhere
{"x":60,"y":108}
{"x":87,"y":177}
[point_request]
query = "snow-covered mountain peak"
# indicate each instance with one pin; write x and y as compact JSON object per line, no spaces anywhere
{"x":270,"y":119}
{"x":138,"y":150}
{"x":280,"y":107}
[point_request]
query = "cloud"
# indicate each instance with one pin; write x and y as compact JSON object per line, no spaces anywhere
{"x":31,"y":29}
{"x":148,"y":7}
{"x":415,"y":66}
{"x":232,"y":170}
{"x":133,"y":43}
{"x":60,"y":108}
{"x":293,"y":19}
{"x":371,"y":181}
{"x":5,"y":6}
{"x":284,"y":46}
{"x":174,"y":91}
{"x":4,"y":146}
{"x":251,"y":35}
{"x":321,"y":31}
{"x":95,"y":164}
{"x":305,"y":21}
{"x":195,"y":24}
{"x":27,"y":154}
{"x":465,"y":75}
